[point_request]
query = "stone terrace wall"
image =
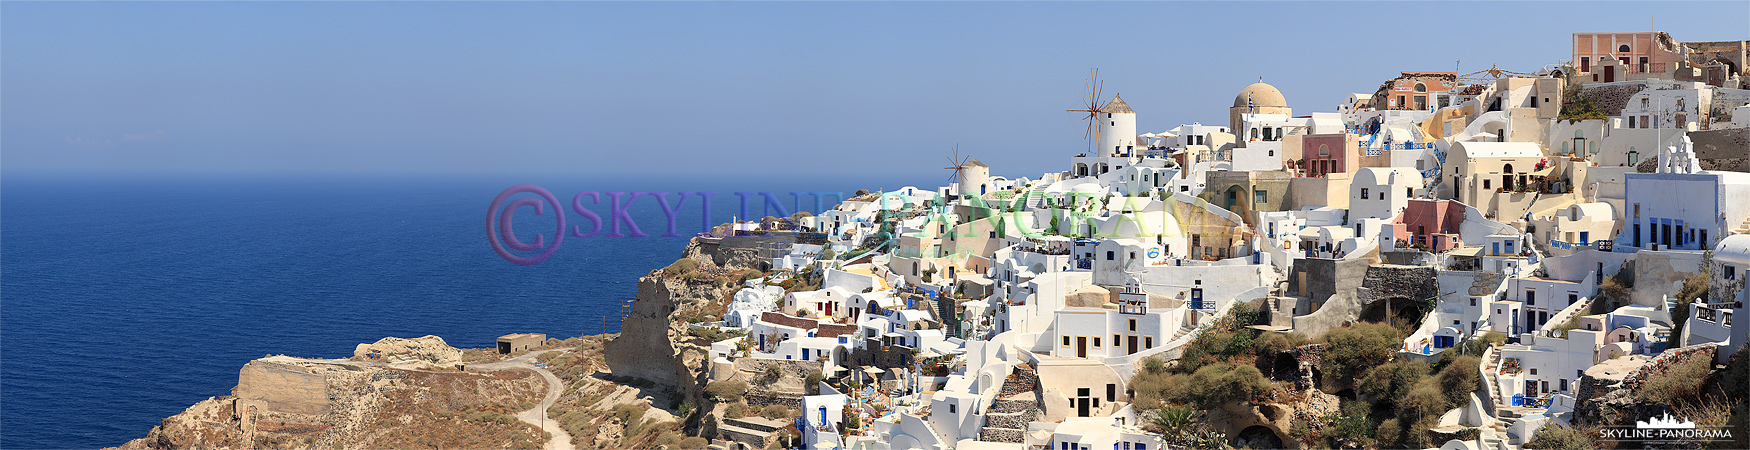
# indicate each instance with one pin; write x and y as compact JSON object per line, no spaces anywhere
{"x":1613,"y":98}
{"x":1389,"y":281}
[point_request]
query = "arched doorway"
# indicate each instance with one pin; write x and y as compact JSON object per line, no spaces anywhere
{"x":1401,"y":309}
{"x":1258,"y":436}
{"x":1507,"y":176}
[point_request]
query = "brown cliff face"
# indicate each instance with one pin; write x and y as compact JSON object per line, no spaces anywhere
{"x":283,"y":402}
{"x":652,"y":344}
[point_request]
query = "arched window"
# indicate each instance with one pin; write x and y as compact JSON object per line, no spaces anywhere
{"x":1593,"y":147}
{"x":1564,"y":148}
{"x":1421,"y":87}
{"x":1578,"y":134}
{"x":1622,"y":48}
{"x":1324,"y":150}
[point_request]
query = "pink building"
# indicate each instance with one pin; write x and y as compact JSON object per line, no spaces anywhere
{"x":1324,"y":154}
{"x":1432,"y":223}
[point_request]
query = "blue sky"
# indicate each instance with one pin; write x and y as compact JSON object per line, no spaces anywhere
{"x":700,"y":88}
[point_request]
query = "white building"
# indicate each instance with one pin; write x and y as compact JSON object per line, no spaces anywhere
{"x":1685,"y":211}
{"x":823,"y":418}
{"x":1382,"y":193}
{"x":1083,"y":332}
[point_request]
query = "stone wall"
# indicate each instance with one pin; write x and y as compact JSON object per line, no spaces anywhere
{"x":1660,"y":365}
{"x":1002,"y":435}
{"x":1022,"y":380}
{"x":1612,"y":98}
{"x":1407,"y":257}
{"x":1014,"y":420}
{"x":873,"y":354}
{"x":762,"y":399}
{"x":1393,"y":281}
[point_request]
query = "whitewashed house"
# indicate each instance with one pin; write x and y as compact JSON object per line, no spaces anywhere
{"x":1677,"y":208}
{"x":1382,"y":193}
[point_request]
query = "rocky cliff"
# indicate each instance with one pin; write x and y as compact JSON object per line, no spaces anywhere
{"x":654,"y":343}
{"x":288,"y":402}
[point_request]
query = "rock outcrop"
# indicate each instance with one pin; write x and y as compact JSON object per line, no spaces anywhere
{"x":653,"y":343}
{"x":274,"y":384}
{"x":287,"y":402}
{"x":430,"y":350}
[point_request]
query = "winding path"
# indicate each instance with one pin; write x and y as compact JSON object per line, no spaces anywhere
{"x":538,"y":416}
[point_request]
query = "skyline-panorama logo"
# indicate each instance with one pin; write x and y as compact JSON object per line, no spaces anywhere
{"x":1665,"y":428}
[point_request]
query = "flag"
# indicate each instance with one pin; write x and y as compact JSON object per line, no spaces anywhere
{"x":1250,"y":109}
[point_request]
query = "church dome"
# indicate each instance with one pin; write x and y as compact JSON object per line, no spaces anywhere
{"x":1262,"y":95}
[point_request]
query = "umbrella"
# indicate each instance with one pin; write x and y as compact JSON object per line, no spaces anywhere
{"x":836,"y":368}
{"x":873,"y":370}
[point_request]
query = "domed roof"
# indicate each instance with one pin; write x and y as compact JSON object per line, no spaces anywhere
{"x":1262,"y":95}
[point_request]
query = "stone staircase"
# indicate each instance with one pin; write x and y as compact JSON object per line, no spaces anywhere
{"x":1491,"y":440}
{"x":1005,"y":420}
{"x":1743,"y":228}
{"x":756,"y":432}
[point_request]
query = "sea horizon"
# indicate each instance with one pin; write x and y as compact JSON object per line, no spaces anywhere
{"x":139,"y":295}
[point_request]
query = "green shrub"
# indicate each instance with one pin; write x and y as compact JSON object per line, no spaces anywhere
{"x":627,"y":413}
{"x":1277,"y":343}
{"x":681,"y":266}
{"x":1351,"y":424}
{"x":1683,"y":382}
{"x":1388,"y":383}
{"x":1175,"y":417}
{"x":1424,"y":402}
{"x":1154,"y":365}
{"x":1458,"y":379}
{"x":735,"y":410}
{"x":1355,"y":348}
{"x":726,"y":390}
{"x":775,"y":412}
{"x":812,"y":382}
{"x":1556,"y":436}
{"x":1388,"y":431}
{"x":1215,"y":384}
{"x":694,"y":443}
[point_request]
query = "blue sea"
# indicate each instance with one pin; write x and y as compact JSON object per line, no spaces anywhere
{"x":125,"y":299}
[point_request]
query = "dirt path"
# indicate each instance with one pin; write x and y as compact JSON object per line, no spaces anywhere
{"x":538,"y":416}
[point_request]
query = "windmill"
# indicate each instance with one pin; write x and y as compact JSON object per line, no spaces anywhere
{"x":1092,"y":108}
{"x":957,"y":164}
